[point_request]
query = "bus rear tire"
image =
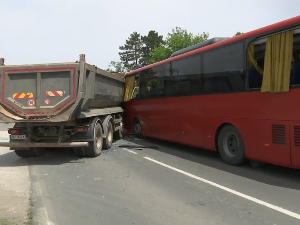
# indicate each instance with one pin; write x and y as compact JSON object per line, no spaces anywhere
{"x":137,"y":128}
{"x":231,"y":146}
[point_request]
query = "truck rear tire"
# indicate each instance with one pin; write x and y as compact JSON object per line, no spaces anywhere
{"x":95,"y":146}
{"x":107,"y":142}
{"x":22,"y":153}
{"x":36,"y":152}
{"x":79,"y":151}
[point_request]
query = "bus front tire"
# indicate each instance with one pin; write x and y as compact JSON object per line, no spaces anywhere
{"x":231,"y":146}
{"x":137,"y":128}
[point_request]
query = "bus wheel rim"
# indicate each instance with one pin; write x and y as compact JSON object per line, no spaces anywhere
{"x":231,"y":144}
{"x":138,"y":128}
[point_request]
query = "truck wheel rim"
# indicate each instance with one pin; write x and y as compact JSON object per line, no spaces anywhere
{"x":231,"y":144}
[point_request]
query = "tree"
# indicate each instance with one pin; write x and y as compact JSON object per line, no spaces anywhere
{"x":115,"y":67}
{"x":238,"y":33}
{"x":179,"y":38}
{"x":150,"y":41}
{"x":159,"y":53}
{"x":131,"y":52}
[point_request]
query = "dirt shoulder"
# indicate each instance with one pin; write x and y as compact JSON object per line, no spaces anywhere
{"x":14,"y":186}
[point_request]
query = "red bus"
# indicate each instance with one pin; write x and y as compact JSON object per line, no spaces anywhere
{"x":239,"y":96}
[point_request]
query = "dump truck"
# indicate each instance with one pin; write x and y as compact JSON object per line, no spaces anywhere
{"x":61,"y":105}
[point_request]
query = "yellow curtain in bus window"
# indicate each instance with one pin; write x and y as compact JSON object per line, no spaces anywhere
{"x":277,"y":63}
{"x":251,"y":60}
{"x":129,"y":84}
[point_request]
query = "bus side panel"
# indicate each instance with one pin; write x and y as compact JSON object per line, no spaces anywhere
{"x":295,"y":144}
{"x":266,"y":140}
{"x":133,"y":110}
{"x":171,"y":122}
{"x":182,"y":121}
{"x":189,"y":130}
{"x":144,"y":113}
{"x":258,"y":138}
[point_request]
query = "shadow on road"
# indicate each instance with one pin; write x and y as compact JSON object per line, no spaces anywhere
{"x":51,"y":157}
{"x":10,"y":159}
{"x":56,"y":157}
{"x":267,"y":173}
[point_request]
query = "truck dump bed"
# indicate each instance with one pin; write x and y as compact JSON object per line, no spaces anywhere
{"x":57,"y":92}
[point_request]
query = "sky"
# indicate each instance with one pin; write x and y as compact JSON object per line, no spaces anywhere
{"x":51,"y":31}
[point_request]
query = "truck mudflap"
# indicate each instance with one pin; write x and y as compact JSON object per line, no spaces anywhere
{"x":43,"y":144}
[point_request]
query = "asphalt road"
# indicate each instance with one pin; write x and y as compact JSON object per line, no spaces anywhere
{"x":14,"y":185}
{"x":170,"y":185}
{"x":129,"y":187}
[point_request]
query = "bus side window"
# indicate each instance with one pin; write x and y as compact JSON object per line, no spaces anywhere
{"x":155,"y":87}
{"x":220,"y":84}
{"x":135,"y":93}
{"x":223,"y":69}
{"x":255,"y":78}
{"x":182,"y":87}
{"x":206,"y":81}
{"x":144,"y":90}
{"x":295,"y":69}
{"x":153,"y":90}
{"x":186,"y":74}
{"x":195,"y":86}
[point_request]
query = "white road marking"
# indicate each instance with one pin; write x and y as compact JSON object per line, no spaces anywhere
{"x":129,"y":151}
{"x":274,"y":207}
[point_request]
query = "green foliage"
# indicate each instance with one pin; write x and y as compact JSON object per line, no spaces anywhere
{"x":131,"y":51}
{"x":159,"y":53}
{"x":116,"y":67}
{"x":238,"y":33}
{"x":179,"y":38}
{"x":142,"y":50}
{"x":150,"y":42}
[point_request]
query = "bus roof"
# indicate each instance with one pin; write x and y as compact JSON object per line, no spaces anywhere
{"x":253,"y":33}
{"x":199,"y":45}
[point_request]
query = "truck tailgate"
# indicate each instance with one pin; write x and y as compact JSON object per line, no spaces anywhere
{"x":38,"y":92}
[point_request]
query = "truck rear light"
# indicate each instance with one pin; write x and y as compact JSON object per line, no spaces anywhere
{"x":81,"y":129}
{"x":13,"y":131}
